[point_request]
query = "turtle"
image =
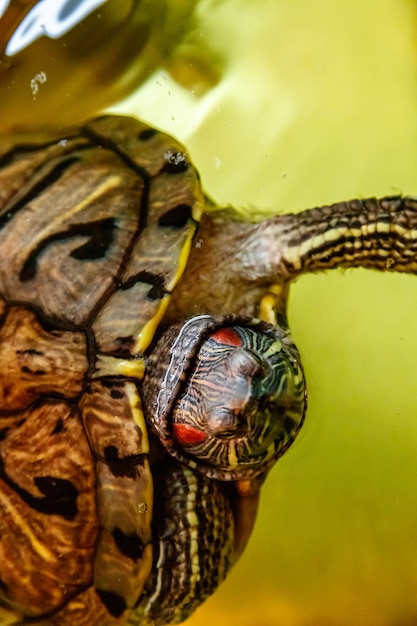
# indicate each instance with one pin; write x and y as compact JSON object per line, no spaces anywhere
{"x":148,"y":377}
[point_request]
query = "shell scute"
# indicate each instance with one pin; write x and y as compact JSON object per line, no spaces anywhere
{"x":115,"y":426}
{"x":124,"y":551}
{"x":48,"y":518}
{"x":127,"y":321}
{"x":96,"y":228}
{"x":92,"y":214}
{"x":148,"y":149}
{"x":113,"y":418}
{"x":25,"y":166}
{"x":121,"y":324}
{"x":73,"y":235}
{"x":35,"y":362}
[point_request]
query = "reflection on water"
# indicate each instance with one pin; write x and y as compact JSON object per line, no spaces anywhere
{"x":61,"y":61}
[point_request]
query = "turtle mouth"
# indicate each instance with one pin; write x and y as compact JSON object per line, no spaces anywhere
{"x":232,"y":396}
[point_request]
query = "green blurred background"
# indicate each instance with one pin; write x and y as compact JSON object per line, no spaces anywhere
{"x":317,"y":103}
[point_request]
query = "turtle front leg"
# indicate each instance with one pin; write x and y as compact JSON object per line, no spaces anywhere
{"x":230,"y":271}
{"x":378,"y":234}
{"x":245,"y":267}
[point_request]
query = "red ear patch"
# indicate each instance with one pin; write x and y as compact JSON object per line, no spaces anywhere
{"x":228,"y":337}
{"x":188,"y":435}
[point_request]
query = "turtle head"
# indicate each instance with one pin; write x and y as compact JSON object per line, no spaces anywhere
{"x":226,"y":396}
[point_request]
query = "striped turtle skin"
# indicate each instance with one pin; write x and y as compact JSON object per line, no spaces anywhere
{"x":147,"y":387}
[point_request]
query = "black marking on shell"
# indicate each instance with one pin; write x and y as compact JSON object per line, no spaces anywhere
{"x":147,"y":134}
{"x":59,"y":427}
{"x":130,"y":545}
{"x":3,"y":585}
{"x":49,"y":179}
{"x":157,"y":289}
{"x":109,"y":144}
{"x":124,"y":156}
{"x":60,"y":495}
{"x":111,"y":454}
{"x":48,"y":323}
{"x":176,"y":217}
{"x":100,"y":237}
{"x":115,"y":604}
{"x":116,"y":394}
{"x":15,"y":153}
{"x":26,"y":370}
{"x":124,"y":347}
{"x":119,"y":466}
{"x":156,"y":292}
{"x":30,"y":351}
{"x":111,"y":382}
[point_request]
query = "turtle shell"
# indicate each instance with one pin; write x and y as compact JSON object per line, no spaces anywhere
{"x":95,"y":230}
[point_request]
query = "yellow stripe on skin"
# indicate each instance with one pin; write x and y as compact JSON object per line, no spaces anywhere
{"x":113,"y":366}
{"x":295,"y":254}
{"x":270,"y":303}
{"x":232,"y":457}
{"x":273,"y":348}
{"x":193,"y":522}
